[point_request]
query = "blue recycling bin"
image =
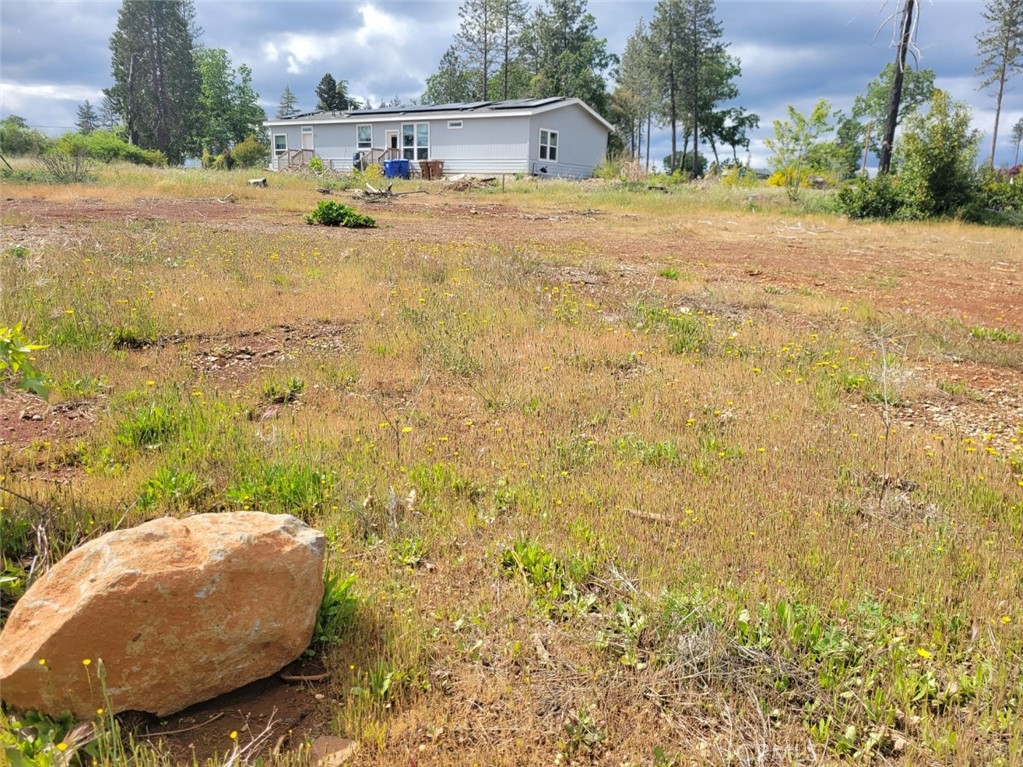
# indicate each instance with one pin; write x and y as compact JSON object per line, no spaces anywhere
{"x":396,"y":168}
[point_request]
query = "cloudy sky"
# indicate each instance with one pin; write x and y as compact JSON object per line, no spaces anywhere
{"x":54,"y":54}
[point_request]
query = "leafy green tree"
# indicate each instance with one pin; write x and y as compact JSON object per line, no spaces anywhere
{"x":567,"y":57}
{"x":453,"y":82}
{"x":156,"y":80}
{"x":288,"y":105}
{"x":871,"y":107}
{"x":1001,"y":50}
{"x":88,"y":120}
{"x":796,"y":140}
{"x":735,"y":127}
{"x":16,"y":138}
{"x":937,"y":157}
{"x":229,"y":108}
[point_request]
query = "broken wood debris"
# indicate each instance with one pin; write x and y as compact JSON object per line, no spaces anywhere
{"x":372,"y":194}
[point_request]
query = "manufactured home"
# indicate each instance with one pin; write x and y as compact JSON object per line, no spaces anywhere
{"x":552,"y":136}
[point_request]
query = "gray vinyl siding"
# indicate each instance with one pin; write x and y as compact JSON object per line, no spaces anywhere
{"x":483,"y":145}
{"x":486,"y":144}
{"x":582,"y":142}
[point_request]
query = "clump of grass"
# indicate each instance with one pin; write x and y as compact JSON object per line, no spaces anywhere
{"x":1000,"y":335}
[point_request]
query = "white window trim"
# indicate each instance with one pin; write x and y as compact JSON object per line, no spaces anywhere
{"x":455,"y":124}
{"x":358,"y":143}
{"x":544,"y":152}
{"x":416,"y":146}
{"x":279,"y":152}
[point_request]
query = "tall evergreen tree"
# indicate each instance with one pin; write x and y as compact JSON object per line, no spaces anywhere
{"x":636,"y":73}
{"x":511,"y":20}
{"x":693,"y":67}
{"x":566,"y":55}
{"x":1016,"y":137}
{"x":453,"y":82}
{"x":88,"y":119}
{"x":326,"y":94}
{"x":108,"y":118}
{"x":478,"y":38}
{"x":288,"y":105}
{"x":1001,"y":50}
{"x":156,"y":81}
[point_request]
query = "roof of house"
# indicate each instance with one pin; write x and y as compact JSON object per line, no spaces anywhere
{"x":513,"y":107}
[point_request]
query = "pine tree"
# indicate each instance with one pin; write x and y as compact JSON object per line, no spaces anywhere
{"x":156,"y":81}
{"x":478,"y":37}
{"x":453,"y":82}
{"x":1016,"y":136}
{"x":1001,"y":50}
{"x":566,"y":55}
{"x":511,"y":20}
{"x":108,"y":118}
{"x":326,"y":94}
{"x":288,"y":105}
{"x":88,"y":120}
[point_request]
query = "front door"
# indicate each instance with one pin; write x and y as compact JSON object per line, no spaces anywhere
{"x":391,"y":137}
{"x":307,"y":139}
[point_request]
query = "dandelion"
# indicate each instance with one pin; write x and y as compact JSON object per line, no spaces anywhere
{"x":99,"y":712}
{"x":86,"y":662}
{"x":62,"y":746}
{"x":406,"y":430}
{"x":1006,"y":620}
{"x":233,"y":735}
{"x":923,"y":653}
{"x":42,"y":661}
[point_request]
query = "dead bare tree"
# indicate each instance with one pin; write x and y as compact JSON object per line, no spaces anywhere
{"x":907,"y":34}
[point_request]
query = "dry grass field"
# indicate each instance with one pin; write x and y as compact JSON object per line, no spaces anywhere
{"x":624,"y":477}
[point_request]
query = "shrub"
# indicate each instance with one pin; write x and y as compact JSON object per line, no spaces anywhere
{"x":330,"y":213}
{"x":316,"y":165}
{"x":67,"y":162}
{"x":107,"y":146}
{"x":16,"y":138}
{"x":936,"y":157}
{"x":871,"y":198}
{"x":250,"y":153}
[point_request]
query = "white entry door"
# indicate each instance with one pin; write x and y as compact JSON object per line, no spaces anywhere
{"x":307,"y":139}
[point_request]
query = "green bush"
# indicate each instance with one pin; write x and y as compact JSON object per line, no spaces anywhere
{"x":16,"y":138}
{"x":250,"y":153}
{"x":871,"y":198}
{"x":330,"y":213}
{"x":107,"y":146}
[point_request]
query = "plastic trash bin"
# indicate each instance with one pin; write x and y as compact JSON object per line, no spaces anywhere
{"x":394,"y":168}
{"x":432,"y":169}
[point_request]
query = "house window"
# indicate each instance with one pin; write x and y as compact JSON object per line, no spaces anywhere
{"x":415,"y":141}
{"x":365,"y":136}
{"x":453,"y":124}
{"x":549,"y":145}
{"x":280,"y":143}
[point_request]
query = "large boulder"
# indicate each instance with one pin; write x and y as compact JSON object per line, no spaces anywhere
{"x":178,"y":610}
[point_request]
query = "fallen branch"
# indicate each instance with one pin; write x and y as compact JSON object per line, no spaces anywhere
{"x":650,"y":516}
{"x":304,"y":678}
{"x":213,"y":718}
